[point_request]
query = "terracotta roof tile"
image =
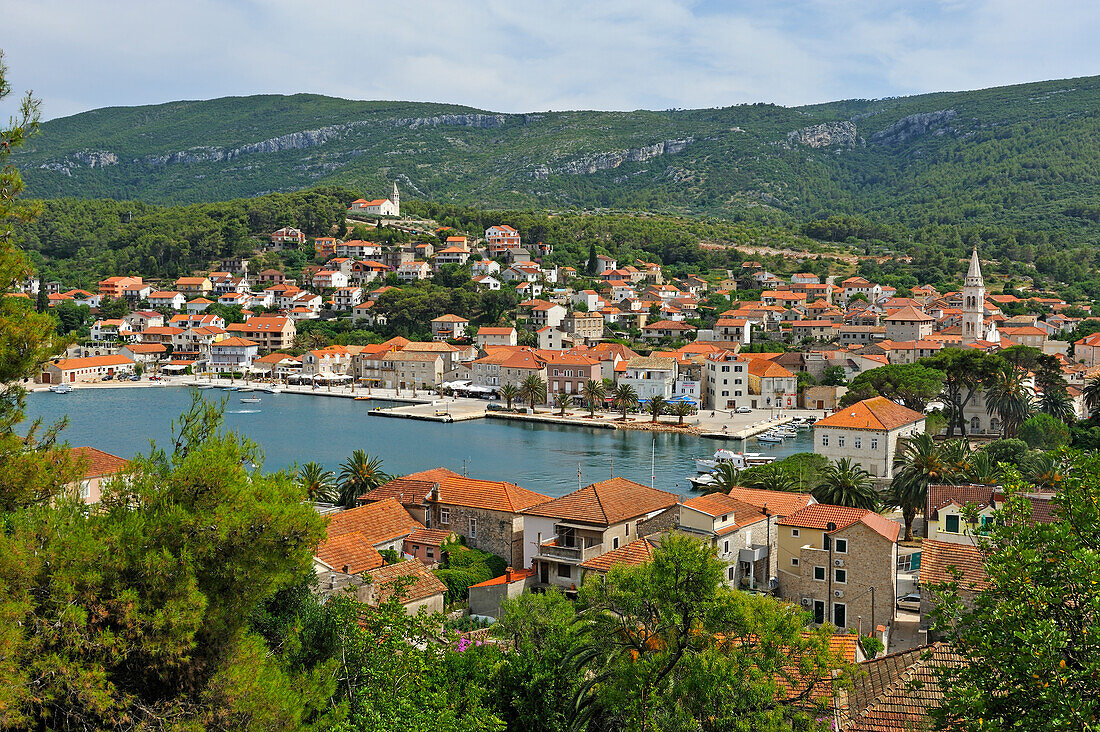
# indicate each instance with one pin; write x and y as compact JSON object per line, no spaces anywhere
{"x":635,"y":553}
{"x":895,"y":692}
{"x":876,"y":413}
{"x":938,"y":557}
{"x":819,"y":515}
{"x":379,"y":522}
{"x":351,"y":550}
{"x":424,"y":584}
{"x":778,"y":503}
{"x":607,"y":502}
{"x":97,"y":463}
{"x":456,"y":490}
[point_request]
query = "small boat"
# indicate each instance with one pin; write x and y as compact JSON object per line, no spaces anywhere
{"x":700,"y":482}
{"x":758,"y":458}
{"x":274,"y":389}
{"x":362,"y":399}
{"x":735,"y":459}
{"x":769,"y":437}
{"x":61,"y":388}
{"x":250,"y":400}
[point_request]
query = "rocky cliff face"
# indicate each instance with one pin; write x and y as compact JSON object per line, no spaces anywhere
{"x":827,"y":134}
{"x":610,"y":160}
{"x":916,"y":125}
{"x":483,"y":121}
{"x":84,"y":158}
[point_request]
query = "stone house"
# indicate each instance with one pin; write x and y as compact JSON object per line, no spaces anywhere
{"x":650,"y":376}
{"x":830,"y":558}
{"x":417,"y":370}
{"x":566,"y":373}
{"x":776,"y":505}
{"x":867,"y":432}
{"x":909,"y":324}
{"x":739,"y":533}
{"x":487,"y":597}
{"x":562,"y":534}
{"x":488,"y":513}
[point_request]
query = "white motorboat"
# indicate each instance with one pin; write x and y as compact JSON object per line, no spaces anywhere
{"x":735,"y":459}
{"x":61,"y":388}
{"x":273,"y":389}
{"x":250,"y":400}
{"x":769,"y":437}
{"x":699,"y":482}
{"x":753,"y":459}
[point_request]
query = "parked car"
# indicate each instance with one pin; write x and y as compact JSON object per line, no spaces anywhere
{"x":154,"y":377}
{"x":135,"y":377}
{"x":743,"y":410}
{"x":910,"y":602}
{"x":109,"y":377}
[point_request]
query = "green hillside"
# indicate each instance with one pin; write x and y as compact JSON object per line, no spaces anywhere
{"x":1024,"y":156}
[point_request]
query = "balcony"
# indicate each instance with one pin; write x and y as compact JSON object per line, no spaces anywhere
{"x":755,"y":554}
{"x":550,"y":549}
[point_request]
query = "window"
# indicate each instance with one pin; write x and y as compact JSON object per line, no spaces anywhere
{"x":733,"y":573}
{"x":859,"y":443}
{"x":725,"y":393}
{"x":444,"y":515}
{"x":615,"y":543}
{"x":725,"y":369}
{"x":840,"y":615}
{"x":794,"y":532}
{"x":794,"y":561}
{"x":628,"y":528}
{"x":840,"y":441}
{"x":564,"y":570}
{"x":874,"y":443}
{"x":819,"y":574}
{"x":951,"y":524}
{"x":840,"y":576}
{"x":416,"y":548}
{"x":824,"y":440}
{"x":725,"y":517}
{"x":841,"y":546}
{"x":431,"y":553}
{"x":726,"y":547}
{"x":473,"y":528}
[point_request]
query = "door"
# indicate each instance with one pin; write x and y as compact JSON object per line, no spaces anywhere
{"x":819,"y":612}
{"x":820,"y":403}
{"x":839,"y":615}
{"x":544,"y":573}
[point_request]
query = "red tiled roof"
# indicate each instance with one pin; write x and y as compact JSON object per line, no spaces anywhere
{"x":607,"y":502}
{"x":378,"y":522}
{"x":430,"y":537}
{"x":424,"y":583}
{"x":777,"y":503}
{"x":895,"y":693}
{"x":97,"y":463}
{"x":635,"y":553}
{"x":939,"y":557}
{"x":351,"y":551}
{"x":819,"y":515}
{"x":518,"y":575}
{"x":876,"y":413}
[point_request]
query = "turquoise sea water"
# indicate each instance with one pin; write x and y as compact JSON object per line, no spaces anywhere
{"x":294,"y":428}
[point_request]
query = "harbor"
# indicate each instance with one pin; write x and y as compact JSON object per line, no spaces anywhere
{"x":293,"y":428}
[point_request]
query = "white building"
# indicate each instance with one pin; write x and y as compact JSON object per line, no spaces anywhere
{"x":867,"y":433}
{"x":650,"y":376}
{"x":233,"y":354}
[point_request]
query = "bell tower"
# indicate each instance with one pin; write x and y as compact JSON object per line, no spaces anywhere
{"x":396,"y":200}
{"x":973,"y":310}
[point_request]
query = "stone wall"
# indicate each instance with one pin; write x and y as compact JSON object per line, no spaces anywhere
{"x":497,"y":532}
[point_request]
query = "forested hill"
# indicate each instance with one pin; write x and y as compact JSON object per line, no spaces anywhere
{"x":1025,"y":156}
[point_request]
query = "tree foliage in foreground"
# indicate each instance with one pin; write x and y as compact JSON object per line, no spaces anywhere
{"x":1032,"y":640}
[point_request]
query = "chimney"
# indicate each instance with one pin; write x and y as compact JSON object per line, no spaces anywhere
{"x":509,"y":575}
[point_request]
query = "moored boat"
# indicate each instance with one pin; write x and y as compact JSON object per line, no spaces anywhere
{"x":61,"y":388}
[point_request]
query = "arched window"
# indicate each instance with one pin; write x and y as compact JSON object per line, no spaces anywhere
{"x":975,"y":424}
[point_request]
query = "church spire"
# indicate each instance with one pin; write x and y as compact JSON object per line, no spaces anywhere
{"x":975,"y":270}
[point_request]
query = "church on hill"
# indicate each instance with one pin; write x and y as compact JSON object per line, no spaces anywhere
{"x":380,"y":206}
{"x":975,"y":327}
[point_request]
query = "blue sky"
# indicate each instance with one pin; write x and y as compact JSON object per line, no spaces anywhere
{"x":515,"y":56}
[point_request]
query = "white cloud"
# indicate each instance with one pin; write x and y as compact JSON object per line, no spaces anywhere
{"x":522,"y":55}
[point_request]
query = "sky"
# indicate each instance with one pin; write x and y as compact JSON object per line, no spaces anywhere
{"x":520,"y":56}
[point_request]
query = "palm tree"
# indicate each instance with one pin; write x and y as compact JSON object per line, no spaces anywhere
{"x":918,"y":463}
{"x":657,"y":406}
{"x":360,"y":474}
{"x":318,"y":482}
{"x":681,"y":410}
{"x":771,"y":478}
{"x":981,"y":469}
{"x":625,"y":397}
{"x":1056,"y":403}
{"x":726,"y":478}
{"x":845,"y":483}
{"x":1046,"y":471}
{"x":1092,"y":394}
{"x":533,"y":390}
{"x":509,"y":393}
{"x":562,"y":401}
{"x":593,"y":392}
{"x":1009,"y":397}
{"x":956,"y":456}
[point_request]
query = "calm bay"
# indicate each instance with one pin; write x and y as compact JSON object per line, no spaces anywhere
{"x":295,"y":428}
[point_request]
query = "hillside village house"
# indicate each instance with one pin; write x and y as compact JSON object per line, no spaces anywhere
{"x":775,"y":505}
{"x":488,"y":513}
{"x":232,"y":355}
{"x":324,"y":246}
{"x":776,"y":387}
{"x":82,"y":370}
{"x":449,"y":327}
{"x":566,"y":373}
{"x":867,"y":433}
{"x":500,"y":239}
{"x":167,"y":299}
{"x":738,"y":531}
{"x":271,"y":332}
{"x":491,"y":336}
{"x":96,"y":468}
{"x":413,"y":271}
{"x":829,"y":559}
{"x":115,"y":287}
{"x":667,"y":329}
{"x":147,"y":354}
{"x":346,"y":298}
{"x":288,"y":238}
{"x":562,"y":534}
{"x":909,"y":324}
{"x":507,"y":367}
{"x":195,"y":286}
{"x":649,"y":375}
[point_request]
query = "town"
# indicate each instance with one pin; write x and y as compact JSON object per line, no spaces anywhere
{"x":886,"y":382}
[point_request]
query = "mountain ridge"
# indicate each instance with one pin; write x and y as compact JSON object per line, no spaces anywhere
{"x":1021,"y":155}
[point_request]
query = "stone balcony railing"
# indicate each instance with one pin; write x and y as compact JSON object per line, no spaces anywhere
{"x":550,"y":549}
